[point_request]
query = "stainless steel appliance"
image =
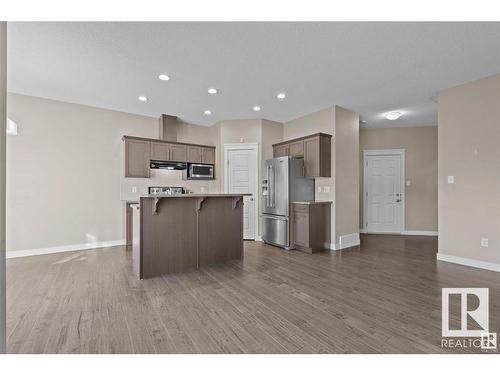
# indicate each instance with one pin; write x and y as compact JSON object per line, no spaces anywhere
{"x":283,"y":182}
{"x":172,"y":165}
{"x":199,"y":172}
{"x":165,"y":190}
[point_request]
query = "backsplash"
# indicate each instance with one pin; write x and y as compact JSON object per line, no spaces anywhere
{"x":133,"y":188}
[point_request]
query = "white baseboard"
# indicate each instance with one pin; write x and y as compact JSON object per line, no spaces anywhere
{"x":62,"y":249}
{"x":420,"y":233}
{"x":258,"y":238}
{"x":406,"y":232}
{"x":346,"y":241}
{"x":469,"y":262}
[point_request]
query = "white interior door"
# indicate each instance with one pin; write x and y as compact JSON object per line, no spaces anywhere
{"x":383,"y":193}
{"x":241,"y":177}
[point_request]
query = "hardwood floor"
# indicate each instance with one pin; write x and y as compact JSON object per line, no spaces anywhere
{"x":384,"y":297}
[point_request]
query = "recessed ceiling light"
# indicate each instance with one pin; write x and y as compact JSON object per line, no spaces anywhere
{"x":212,"y":91}
{"x":142,"y":98}
{"x":256,"y":108}
{"x":281,"y":96}
{"x":208,"y":112}
{"x":392,"y":115}
{"x":164,"y":77}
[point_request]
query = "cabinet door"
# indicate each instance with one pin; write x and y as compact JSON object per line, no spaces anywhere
{"x":208,"y":155}
{"x":178,"y":152}
{"x":301,"y":229}
{"x":296,"y":149}
{"x":312,"y":157}
{"x":282,"y":150}
{"x":194,"y":154}
{"x":160,"y":151}
{"x":136,"y":158}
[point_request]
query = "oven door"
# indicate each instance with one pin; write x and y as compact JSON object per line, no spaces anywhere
{"x":201,"y":172}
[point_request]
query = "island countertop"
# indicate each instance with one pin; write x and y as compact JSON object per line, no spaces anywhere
{"x":195,"y":195}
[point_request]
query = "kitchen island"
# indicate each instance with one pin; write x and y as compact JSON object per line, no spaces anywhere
{"x":177,"y":233}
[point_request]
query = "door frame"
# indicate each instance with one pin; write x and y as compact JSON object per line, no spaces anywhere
{"x":389,"y":152}
{"x":245,"y":146}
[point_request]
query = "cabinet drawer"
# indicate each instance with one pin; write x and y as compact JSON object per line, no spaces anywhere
{"x":300,"y":207}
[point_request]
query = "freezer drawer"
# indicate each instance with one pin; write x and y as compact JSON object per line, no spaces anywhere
{"x":275,"y":230}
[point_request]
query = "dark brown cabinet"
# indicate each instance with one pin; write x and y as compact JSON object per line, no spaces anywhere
{"x":208,"y":155}
{"x":160,"y":151}
{"x":139,"y":151}
{"x":193,"y":154}
{"x":281,"y":150}
{"x":178,"y":152}
{"x":136,"y":158}
{"x":311,"y":226}
{"x":315,"y":149}
{"x":296,"y":149}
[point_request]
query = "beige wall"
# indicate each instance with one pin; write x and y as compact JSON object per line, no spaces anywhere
{"x":64,"y":172}
{"x":346,"y":168}
{"x":421,"y":145}
{"x":469,"y":135}
{"x":3,"y":115}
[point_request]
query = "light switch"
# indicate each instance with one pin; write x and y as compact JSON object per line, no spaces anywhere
{"x":326,"y":189}
{"x":202,"y":189}
{"x":242,"y":140}
{"x":408,"y":182}
{"x":319,"y":189}
{"x":484,"y":242}
{"x":451,"y":179}
{"x":134,"y":189}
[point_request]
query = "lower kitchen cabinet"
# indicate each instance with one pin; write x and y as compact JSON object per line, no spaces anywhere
{"x":311,"y":226}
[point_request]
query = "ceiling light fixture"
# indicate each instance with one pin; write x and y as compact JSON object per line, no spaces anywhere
{"x":208,"y":112}
{"x":142,"y":98}
{"x":212,"y":91}
{"x":392,"y":115}
{"x":281,"y":96}
{"x":256,"y":108}
{"x":164,"y":77}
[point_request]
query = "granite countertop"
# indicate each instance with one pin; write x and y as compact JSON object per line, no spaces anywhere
{"x":194,"y":195}
{"x":314,"y":202}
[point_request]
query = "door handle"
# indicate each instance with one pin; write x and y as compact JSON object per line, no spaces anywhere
{"x":398,"y":200}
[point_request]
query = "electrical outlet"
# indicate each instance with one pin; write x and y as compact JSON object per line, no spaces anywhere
{"x":484,"y":242}
{"x":408,"y":182}
{"x":202,"y":189}
{"x":451,"y":179}
{"x":326,"y":189}
{"x":134,"y":189}
{"x":319,"y":189}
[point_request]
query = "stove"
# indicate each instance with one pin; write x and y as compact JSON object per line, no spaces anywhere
{"x":165,"y":190}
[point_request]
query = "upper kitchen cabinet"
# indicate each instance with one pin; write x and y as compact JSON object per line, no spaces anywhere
{"x":281,"y":150}
{"x":193,"y":154}
{"x":208,"y":155}
{"x":315,"y":149}
{"x":200,"y":154}
{"x":296,"y":149}
{"x":178,"y":152}
{"x":137,"y":152}
{"x":160,"y":151}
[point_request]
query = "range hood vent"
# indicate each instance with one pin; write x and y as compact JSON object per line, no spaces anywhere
{"x":171,"y":165}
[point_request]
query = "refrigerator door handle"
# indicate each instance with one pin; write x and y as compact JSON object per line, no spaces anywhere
{"x":272,"y":186}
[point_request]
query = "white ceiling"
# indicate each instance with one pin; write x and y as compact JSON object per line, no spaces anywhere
{"x":370,"y":68}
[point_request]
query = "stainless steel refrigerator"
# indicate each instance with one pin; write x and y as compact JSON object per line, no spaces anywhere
{"x":283,"y":182}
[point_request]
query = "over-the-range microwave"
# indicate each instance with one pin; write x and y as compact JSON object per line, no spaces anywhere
{"x":199,"y":172}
